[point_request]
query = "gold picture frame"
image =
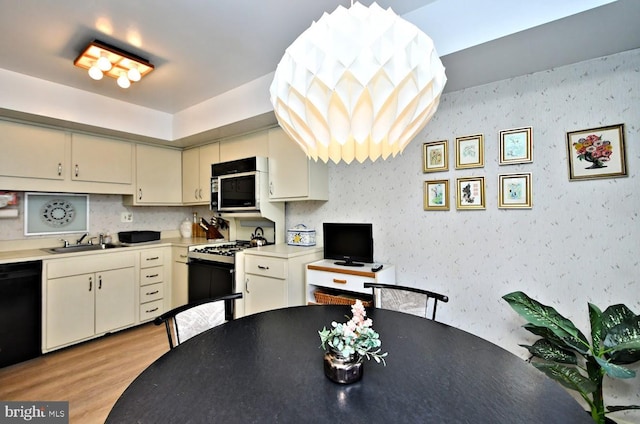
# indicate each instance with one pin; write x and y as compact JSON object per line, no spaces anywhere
{"x":515,"y":191}
{"x":435,"y":156}
{"x":470,"y":193}
{"x":596,"y":153}
{"x":516,"y":146}
{"x":470,"y":151}
{"x":436,"y":195}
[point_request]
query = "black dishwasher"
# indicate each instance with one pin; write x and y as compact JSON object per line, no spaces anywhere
{"x":20,"y":311}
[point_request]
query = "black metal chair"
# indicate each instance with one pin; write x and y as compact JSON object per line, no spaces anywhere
{"x":191,"y":319}
{"x":405,"y":299}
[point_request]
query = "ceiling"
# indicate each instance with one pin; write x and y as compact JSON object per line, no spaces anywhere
{"x":202,"y":49}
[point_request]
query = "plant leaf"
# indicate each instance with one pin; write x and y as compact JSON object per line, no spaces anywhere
{"x":545,"y":316}
{"x":548,"y":351}
{"x":614,"y":315}
{"x":617,"y":408}
{"x":569,"y":377}
{"x":595,"y":319}
{"x":615,"y":371}
{"x":623,"y":341}
{"x":551,"y":336}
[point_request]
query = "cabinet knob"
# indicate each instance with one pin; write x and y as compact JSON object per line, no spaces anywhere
{"x":77,"y":170}
{"x":59,"y":169}
{"x":139,"y":194}
{"x":90,"y":283}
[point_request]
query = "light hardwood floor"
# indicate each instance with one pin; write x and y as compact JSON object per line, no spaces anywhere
{"x":91,"y":376}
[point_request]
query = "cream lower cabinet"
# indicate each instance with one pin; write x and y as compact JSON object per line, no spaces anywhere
{"x":274,"y":276}
{"x":155,"y":289}
{"x":179,"y":277}
{"x":265,"y":284}
{"x":87,"y":297}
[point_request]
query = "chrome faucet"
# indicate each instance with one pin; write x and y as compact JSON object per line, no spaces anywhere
{"x":81,"y":238}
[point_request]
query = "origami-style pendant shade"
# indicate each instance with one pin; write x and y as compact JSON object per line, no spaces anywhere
{"x":359,"y":83}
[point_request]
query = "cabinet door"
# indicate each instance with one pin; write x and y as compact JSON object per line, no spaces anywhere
{"x":190,"y":175}
{"x":32,"y":152}
{"x":70,"y":309}
{"x":244,"y":147}
{"x":102,"y":160}
{"x":158,"y":175}
{"x":209,"y":155}
{"x":288,"y":167}
{"x":293,"y":176}
{"x":115,"y":306}
{"x":179,"y":277}
{"x":264,"y":294}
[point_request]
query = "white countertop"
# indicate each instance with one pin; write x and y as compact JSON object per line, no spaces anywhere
{"x":282,"y":250}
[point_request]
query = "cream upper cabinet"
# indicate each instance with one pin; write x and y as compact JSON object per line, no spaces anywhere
{"x":293,"y":176}
{"x":32,"y":152}
{"x":45,"y":159}
{"x":98,"y":159}
{"x":246,"y":146}
{"x":158,"y":176}
{"x":196,"y":173}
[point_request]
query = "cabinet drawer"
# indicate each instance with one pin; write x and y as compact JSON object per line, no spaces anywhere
{"x":151,"y":310}
{"x":151,"y":292}
{"x":151,"y":257}
{"x":151,"y":275}
{"x":268,"y":267}
{"x":335,"y":280}
{"x":179,"y":255}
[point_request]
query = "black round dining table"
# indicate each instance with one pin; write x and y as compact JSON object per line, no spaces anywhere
{"x":268,"y":368}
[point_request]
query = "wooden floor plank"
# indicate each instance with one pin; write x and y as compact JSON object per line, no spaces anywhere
{"x":91,"y":375}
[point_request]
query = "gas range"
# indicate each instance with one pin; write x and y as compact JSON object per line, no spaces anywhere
{"x":218,"y":252}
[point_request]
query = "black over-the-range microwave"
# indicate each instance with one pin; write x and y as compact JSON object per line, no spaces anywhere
{"x":236,"y":185}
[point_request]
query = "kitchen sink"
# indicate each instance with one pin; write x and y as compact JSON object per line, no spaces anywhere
{"x":72,"y":248}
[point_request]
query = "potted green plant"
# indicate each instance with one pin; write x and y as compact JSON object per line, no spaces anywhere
{"x":565,"y":354}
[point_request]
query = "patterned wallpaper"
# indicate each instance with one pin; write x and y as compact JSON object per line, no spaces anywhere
{"x":579,"y":243}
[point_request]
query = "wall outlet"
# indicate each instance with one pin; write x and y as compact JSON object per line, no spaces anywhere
{"x":126,"y":217}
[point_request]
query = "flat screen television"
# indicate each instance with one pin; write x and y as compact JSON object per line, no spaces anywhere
{"x":351,"y":244}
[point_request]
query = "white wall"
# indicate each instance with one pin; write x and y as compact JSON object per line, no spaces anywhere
{"x":580,"y":241}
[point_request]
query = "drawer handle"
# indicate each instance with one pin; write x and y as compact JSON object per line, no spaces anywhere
{"x":262,"y":267}
{"x":152,"y":310}
{"x":335,"y":280}
{"x":77,"y":170}
{"x":153,"y":292}
{"x":152,"y":275}
{"x":183,"y":256}
{"x":59,"y":169}
{"x":155,"y":258}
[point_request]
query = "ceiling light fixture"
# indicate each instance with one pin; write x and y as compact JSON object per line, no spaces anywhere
{"x":103,"y":59}
{"x":359,"y":83}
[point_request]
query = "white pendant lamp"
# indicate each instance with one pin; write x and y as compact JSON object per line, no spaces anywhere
{"x":359,"y":83}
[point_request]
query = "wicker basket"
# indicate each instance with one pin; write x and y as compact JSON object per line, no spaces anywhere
{"x":338,"y":299}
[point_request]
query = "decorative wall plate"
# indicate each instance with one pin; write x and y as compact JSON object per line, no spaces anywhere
{"x":57,"y":213}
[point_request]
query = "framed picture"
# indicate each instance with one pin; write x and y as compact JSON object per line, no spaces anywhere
{"x":596,"y":153}
{"x":470,"y":193}
{"x":436,"y":195}
{"x":470,"y":151}
{"x":54,"y":213}
{"x":516,"y":146}
{"x":435,"y":156}
{"x":515,"y":191}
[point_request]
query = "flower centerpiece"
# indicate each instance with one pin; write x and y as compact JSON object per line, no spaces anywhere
{"x":348,"y":344}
